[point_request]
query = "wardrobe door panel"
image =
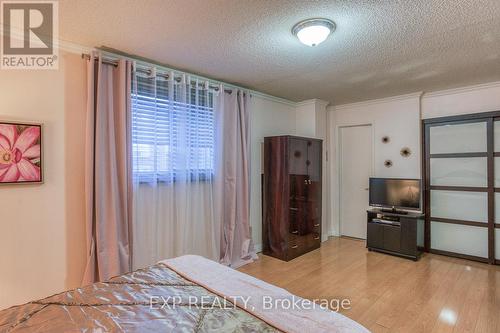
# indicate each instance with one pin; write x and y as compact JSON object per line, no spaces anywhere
{"x":276,"y":193}
{"x":497,"y":171}
{"x":497,"y":244}
{"x":297,"y":156}
{"x":497,"y":210}
{"x":314,"y":160}
{"x":314,"y":154}
{"x":496,"y":133}
{"x":458,"y":138}
{"x":458,"y":205}
{"x":496,"y":130}
{"x":298,"y":187}
{"x":460,"y":175}
{"x":470,"y":171}
{"x":461,"y":239}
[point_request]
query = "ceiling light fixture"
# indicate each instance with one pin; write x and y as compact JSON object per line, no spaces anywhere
{"x":313,"y":31}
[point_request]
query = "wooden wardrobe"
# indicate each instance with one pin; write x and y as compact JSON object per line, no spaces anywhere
{"x":291,"y":224}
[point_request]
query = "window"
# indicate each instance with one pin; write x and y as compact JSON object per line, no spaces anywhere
{"x":173,"y":135}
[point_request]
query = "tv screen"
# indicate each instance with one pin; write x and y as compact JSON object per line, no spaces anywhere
{"x":398,"y":193}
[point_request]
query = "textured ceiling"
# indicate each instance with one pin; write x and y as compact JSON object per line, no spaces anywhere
{"x":380,"y":48}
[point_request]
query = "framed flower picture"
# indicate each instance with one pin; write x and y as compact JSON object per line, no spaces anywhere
{"x":21,"y":158}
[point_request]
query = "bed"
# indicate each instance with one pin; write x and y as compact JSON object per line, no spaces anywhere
{"x":184,"y":294}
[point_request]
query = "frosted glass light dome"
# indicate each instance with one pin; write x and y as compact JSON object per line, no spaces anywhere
{"x":313,"y":31}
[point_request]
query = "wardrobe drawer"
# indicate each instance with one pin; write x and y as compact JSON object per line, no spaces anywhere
{"x":294,"y":250}
{"x":297,"y":245}
{"x":313,"y":240}
{"x":316,"y":226}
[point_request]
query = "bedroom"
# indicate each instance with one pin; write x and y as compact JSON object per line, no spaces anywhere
{"x":388,"y":79}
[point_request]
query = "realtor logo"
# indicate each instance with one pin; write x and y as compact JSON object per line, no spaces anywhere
{"x":29,"y":31}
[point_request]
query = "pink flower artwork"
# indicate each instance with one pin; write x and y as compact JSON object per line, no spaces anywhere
{"x":20,"y":153}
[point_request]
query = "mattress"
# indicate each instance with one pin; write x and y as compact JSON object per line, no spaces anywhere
{"x":184,"y":294}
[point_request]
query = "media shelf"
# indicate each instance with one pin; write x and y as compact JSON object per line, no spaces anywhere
{"x":394,"y":233}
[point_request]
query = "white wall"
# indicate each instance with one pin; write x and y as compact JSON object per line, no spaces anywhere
{"x":471,"y":99}
{"x":41,"y":226}
{"x":398,"y":118}
{"x":268,"y":118}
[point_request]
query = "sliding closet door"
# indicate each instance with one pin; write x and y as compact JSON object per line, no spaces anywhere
{"x":496,"y":135}
{"x":459,"y":188}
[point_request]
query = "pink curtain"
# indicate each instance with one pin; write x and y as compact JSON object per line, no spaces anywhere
{"x":108,"y":174}
{"x":232,"y":178}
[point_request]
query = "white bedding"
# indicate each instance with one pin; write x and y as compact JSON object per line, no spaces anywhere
{"x":255,"y":296}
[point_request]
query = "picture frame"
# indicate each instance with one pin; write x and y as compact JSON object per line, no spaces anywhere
{"x":21,"y":153}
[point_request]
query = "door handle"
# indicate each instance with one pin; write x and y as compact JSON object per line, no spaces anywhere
{"x":366,"y":188}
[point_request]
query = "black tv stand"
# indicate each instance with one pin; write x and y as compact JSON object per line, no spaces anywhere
{"x":394,"y":233}
{"x":393,"y":211}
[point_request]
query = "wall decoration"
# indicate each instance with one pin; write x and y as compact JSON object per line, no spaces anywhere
{"x":405,"y":152}
{"x":20,"y":153}
{"x":386,"y":139}
{"x":387,"y":163}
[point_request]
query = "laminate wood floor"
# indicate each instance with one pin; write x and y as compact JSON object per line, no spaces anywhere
{"x":391,"y":294}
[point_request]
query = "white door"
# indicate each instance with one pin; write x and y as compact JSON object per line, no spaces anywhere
{"x":355,"y":171}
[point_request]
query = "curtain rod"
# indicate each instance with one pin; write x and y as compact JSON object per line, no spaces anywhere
{"x":114,"y":54}
{"x":149,"y":72}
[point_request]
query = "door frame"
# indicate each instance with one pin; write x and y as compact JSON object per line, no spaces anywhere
{"x":338,"y":164}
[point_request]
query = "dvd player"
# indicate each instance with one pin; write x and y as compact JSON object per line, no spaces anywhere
{"x":382,"y":221}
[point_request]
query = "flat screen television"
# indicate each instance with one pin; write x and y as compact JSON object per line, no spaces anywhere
{"x":395,"y":193}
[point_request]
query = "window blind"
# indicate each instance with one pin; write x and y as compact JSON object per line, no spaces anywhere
{"x":173,"y":134}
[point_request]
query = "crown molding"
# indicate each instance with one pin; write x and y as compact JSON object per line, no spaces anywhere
{"x":71,"y":47}
{"x":322,"y":103}
{"x":377,"y":101}
{"x":307,"y":102}
{"x":60,"y":44}
{"x":271,"y":98}
{"x":461,"y":90}
{"x":113,"y":53}
{"x":313,"y":101}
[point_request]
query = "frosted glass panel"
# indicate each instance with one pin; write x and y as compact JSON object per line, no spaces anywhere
{"x":497,"y":210}
{"x":497,"y":135}
{"x":469,"y":206}
{"x":471,"y":171}
{"x":497,"y":244}
{"x":460,"y":138}
{"x":460,"y":239}
{"x":497,"y":171}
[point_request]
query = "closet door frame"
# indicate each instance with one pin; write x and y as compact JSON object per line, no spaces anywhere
{"x":489,"y":118}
